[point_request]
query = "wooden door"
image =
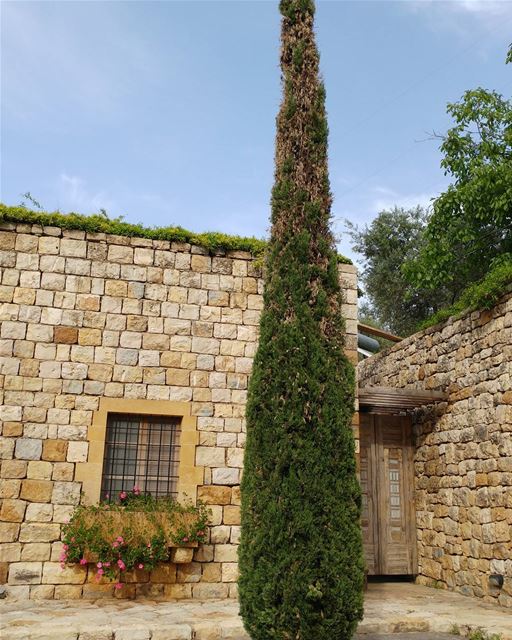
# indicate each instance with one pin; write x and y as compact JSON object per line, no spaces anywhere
{"x":387,"y":477}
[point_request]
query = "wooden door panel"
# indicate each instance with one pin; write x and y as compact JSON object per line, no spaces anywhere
{"x":368,"y":488}
{"x":387,"y":484}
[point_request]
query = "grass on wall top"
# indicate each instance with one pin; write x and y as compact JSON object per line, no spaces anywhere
{"x":479,"y":295}
{"x":212,"y":241}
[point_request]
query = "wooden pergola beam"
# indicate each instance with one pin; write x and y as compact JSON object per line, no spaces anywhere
{"x":379,"y":333}
{"x":389,"y":399}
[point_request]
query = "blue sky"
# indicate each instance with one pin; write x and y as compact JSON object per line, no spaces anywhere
{"x":164,"y":111}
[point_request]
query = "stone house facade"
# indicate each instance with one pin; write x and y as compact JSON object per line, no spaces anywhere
{"x":95,"y":326}
{"x":462,"y":450}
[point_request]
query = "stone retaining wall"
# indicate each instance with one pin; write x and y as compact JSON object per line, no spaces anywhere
{"x":463,"y":457}
{"x":88,"y":322}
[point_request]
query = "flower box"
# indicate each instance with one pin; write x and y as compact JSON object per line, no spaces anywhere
{"x":136,"y":533}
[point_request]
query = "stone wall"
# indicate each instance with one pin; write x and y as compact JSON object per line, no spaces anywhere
{"x":90,"y":321}
{"x":463,"y":455}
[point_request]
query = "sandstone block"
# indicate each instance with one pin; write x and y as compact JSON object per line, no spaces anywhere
{"x":77,"y":451}
{"x":63,"y":471}
{"x":226,"y":476}
{"x":177,"y":591}
{"x":28,"y":448}
{"x":37,"y":512}
{"x":36,"y":490}
{"x":189,"y":572}
{"x":13,"y":469}
{"x":204,"y":553}
{"x":211,"y":494}
{"x":39,"y":470}
{"x":10,"y":489}
{"x":120,"y":254}
{"x":235,"y":496}
{"x":229,"y":571}
{"x":231,"y":515}
{"x":210,"y":456}
{"x":71,"y":574}
{"x":89,"y":337}
{"x":220,"y":534}
{"x":10,"y":413}
{"x":66,"y":493}
{"x":42,"y":592}
{"x":211,"y":572}
{"x":65,"y":335}
{"x":25,"y":573}
{"x":10,"y":552}
{"x":74,"y":592}
{"x":49,"y":245}
{"x":12,"y":430}
{"x":73,"y":248}
{"x":226,"y":553}
{"x":164,"y":573}
{"x":12,"y":510}
{"x":205,"y":591}
{"x":54,"y":450}
{"x":182,"y":555}
{"x":37,"y":551}
{"x":39,"y":532}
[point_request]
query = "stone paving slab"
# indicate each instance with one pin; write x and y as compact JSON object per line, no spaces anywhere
{"x":389,"y":608}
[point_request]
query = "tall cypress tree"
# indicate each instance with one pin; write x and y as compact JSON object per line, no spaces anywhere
{"x":301,"y":563}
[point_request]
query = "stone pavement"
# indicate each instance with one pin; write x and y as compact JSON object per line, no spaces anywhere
{"x":389,"y":608}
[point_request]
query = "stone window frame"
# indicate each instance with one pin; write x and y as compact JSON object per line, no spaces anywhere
{"x":90,"y":473}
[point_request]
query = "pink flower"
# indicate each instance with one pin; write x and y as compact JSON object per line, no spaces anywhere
{"x":185,"y":539}
{"x":140,"y":566}
{"x":83,"y":561}
{"x":136,"y":490}
{"x":121,"y":564}
{"x":65,"y":547}
{"x":149,"y":545}
{"x":123,"y":495}
{"x":120,"y":539}
{"x":118,"y":585}
{"x":115,"y":544}
{"x":100,"y":572}
{"x":106,"y":564}
{"x":99,"y":565}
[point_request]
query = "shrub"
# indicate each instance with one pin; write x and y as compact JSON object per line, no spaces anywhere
{"x":483,"y":294}
{"x":301,"y":561}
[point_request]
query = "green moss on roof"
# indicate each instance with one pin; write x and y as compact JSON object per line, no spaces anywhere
{"x":211,"y":240}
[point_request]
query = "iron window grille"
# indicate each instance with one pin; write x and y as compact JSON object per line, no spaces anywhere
{"x":141,"y":451}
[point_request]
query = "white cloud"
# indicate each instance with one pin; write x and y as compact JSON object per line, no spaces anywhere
{"x":386,"y":198}
{"x":74,"y":195}
{"x":460,"y":15}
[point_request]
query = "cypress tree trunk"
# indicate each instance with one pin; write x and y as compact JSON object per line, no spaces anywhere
{"x":301,"y":563}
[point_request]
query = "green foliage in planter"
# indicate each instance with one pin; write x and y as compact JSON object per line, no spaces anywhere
{"x":301,"y":561}
{"x":134,"y":533}
{"x":213,"y":241}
